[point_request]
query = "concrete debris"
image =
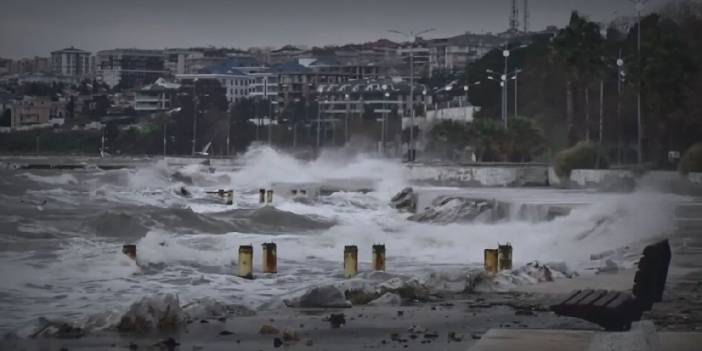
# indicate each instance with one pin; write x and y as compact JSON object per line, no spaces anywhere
{"x":452,"y":209}
{"x":57,"y":329}
{"x":268,"y":329}
{"x":327,"y":296}
{"x":336,"y":320}
{"x":290,"y":336}
{"x":456,"y":337}
{"x":405,"y":200}
{"x":387,"y":299}
{"x":158,"y":312}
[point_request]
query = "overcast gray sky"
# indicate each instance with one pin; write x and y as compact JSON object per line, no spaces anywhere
{"x":36,"y":27}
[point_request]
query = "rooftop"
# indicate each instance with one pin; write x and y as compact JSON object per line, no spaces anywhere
{"x":71,"y":50}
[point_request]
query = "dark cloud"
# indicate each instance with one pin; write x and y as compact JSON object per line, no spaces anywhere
{"x":35,"y":27}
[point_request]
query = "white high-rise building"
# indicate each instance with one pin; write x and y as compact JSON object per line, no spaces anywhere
{"x":71,"y":62}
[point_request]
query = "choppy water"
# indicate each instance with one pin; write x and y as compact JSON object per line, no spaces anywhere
{"x":61,"y":232}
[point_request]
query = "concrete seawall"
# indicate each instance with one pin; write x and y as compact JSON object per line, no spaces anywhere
{"x":487,"y":176}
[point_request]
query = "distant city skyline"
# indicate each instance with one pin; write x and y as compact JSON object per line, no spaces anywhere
{"x":36,"y":27}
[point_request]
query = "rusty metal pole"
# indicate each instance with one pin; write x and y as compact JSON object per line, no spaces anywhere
{"x":491,"y":260}
{"x":379,"y":257}
{"x":350,"y":261}
{"x":270,"y":257}
{"x":261,"y":196}
{"x":246,"y":261}
{"x":504,"y":257}
{"x":269,"y":196}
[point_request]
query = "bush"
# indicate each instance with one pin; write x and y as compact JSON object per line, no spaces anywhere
{"x":583,"y":155}
{"x":692,"y":160}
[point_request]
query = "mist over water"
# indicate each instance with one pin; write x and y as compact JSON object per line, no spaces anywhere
{"x":61,"y":232}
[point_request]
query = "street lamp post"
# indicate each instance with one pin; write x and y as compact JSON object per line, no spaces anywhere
{"x":516,"y":89}
{"x":386,"y":95}
{"x":505,"y":53}
{"x":165,"y":127}
{"x":319,"y":115}
{"x":424,"y":100}
{"x":620,"y":77}
{"x":412,"y":36}
{"x":229,"y":126}
{"x":195,"y":102}
{"x":638,"y":4}
{"x":346,"y":120}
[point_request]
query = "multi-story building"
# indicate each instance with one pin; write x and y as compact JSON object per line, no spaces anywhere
{"x":359,"y":96}
{"x":299,"y":79}
{"x":5,"y":66}
{"x":153,"y":97}
{"x":176,"y":60}
{"x":70,"y":62}
{"x":30,"y":65}
{"x":36,"y":111}
{"x":418,"y":53}
{"x":453,"y":54}
{"x":130,"y":67}
{"x":196,"y":64}
{"x":44,"y":78}
{"x":239,"y":79}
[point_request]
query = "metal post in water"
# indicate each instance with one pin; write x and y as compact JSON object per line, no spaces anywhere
{"x":246,"y":261}
{"x":261,"y":196}
{"x":350,"y":261}
{"x":270,"y":257}
{"x":491,"y":260}
{"x":269,"y":197}
{"x":379,"y":257}
{"x":129,"y":250}
{"x":504,"y":257}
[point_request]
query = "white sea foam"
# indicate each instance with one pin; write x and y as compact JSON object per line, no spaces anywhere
{"x":61,"y":179}
{"x":88,"y":275}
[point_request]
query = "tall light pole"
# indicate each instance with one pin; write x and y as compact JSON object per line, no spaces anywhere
{"x":639,"y":4}
{"x":165,"y":127}
{"x":386,"y":96}
{"x":229,"y":125}
{"x":505,"y":53}
{"x":346,"y":120}
{"x":195,"y":102}
{"x":504,"y":79}
{"x":412,"y":36}
{"x":620,"y":77}
{"x":319,"y":115}
{"x":516,"y":89}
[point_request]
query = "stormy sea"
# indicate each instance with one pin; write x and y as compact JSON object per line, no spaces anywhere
{"x":62,"y":232}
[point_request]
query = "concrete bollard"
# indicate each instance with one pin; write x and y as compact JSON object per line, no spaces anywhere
{"x":270,"y":258}
{"x":379,"y":257}
{"x":504,"y":257}
{"x":129,"y":250}
{"x":230,"y":198}
{"x":350,"y":261}
{"x":491,"y":260}
{"x":261,"y":196}
{"x":246,"y":261}
{"x":269,"y":197}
